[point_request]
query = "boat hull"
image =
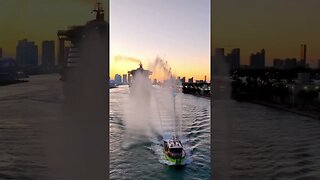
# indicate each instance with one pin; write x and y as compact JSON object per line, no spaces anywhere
{"x":175,"y":161}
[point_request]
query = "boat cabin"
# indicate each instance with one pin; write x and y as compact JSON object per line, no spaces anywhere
{"x":173,"y":148}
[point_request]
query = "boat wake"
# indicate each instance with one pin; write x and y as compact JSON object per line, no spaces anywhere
{"x":155,"y":111}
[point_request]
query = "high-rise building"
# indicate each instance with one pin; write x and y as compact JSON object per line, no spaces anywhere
{"x":257,"y":60}
{"x":199,"y":81}
{"x":219,"y":52}
{"x":289,"y":63}
{"x":125,"y":79}
{"x":27,"y":53}
{"x":233,"y":58}
{"x":190,"y":80}
{"x":48,"y":54}
{"x":0,"y":52}
{"x":117,"y":79}
{"x":183,"y":79}
{"x":278,"y":63}
{"x":219,"y":63}
{"x":303,"y":49}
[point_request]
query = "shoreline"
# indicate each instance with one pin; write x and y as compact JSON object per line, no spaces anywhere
{"x":7,"y":83}
{"x":303,"y":112}
{"x":199,"y":95}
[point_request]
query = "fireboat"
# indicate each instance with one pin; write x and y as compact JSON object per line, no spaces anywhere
{"x":173,"y":150}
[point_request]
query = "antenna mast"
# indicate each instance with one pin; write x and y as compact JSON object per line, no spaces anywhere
{"x":99,"y":11}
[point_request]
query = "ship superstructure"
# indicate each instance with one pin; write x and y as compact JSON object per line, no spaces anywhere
{"x":71,"y":40}
{"x":133,"y":74}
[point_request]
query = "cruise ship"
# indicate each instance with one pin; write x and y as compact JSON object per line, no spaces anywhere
{"x":134,"y":73}
{"x":71,"y":41}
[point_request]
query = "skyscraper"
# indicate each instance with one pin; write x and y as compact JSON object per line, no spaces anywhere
{"x":48,"y":54}
{"x":278,"y":63}
{"x":219,"y":52}
{"x":0,"y":52}
{"x":233,"y":58}
{"x":303,"y":49}
{"x":257,"y":60}
{"x":27,"y":53}
{"x":183,"y":79}
{"x":219,"y":63}
{"x":117,"y":79}
{"x":124,"y":79}
{"x":289,"y":63}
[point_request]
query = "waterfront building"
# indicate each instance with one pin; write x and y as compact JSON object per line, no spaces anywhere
{"x":289,"y":63}
{"x":219,"y":52}
{"x":233,"y":58}
{"x":183,"y":79}
{"x":9,"y":70}
{"x":117,"y":79}
{"x":257,"y":60}
{"x":48,"y":54}
{"x":303,"y":50}
{"x":124,"y":79}
{"x":278,"y":63}
{"x":219,"y":62}
{"x":27,"y":53}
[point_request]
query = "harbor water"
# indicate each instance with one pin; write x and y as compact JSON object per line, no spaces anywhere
{"x":140,"y":156}
{"x":266,"y":143}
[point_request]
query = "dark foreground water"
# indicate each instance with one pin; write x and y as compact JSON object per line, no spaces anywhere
{"x":265,"y":143}
{"x":142,"y":159}
{"x":268,"y":144}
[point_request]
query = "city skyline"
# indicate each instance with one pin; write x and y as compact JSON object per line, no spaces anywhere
{"x":122,"y":78}
{"x":234,"y":25}
{"x":301,"y":60}
{"x":251,"y":25}
{"x":40,"y":20}
{"x":41,"y":51}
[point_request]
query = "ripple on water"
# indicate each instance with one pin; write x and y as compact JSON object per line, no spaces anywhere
{"x":143,"y":157}
{"x":271,"y":144}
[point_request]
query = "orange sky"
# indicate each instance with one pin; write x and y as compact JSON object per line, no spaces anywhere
{"x":178,"y":33}
{"x":278,"y":26}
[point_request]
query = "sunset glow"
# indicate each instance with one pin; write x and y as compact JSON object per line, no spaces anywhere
{"x":180,"y":35}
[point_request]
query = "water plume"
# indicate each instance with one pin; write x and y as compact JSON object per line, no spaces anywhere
{"x":152,"y":110}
